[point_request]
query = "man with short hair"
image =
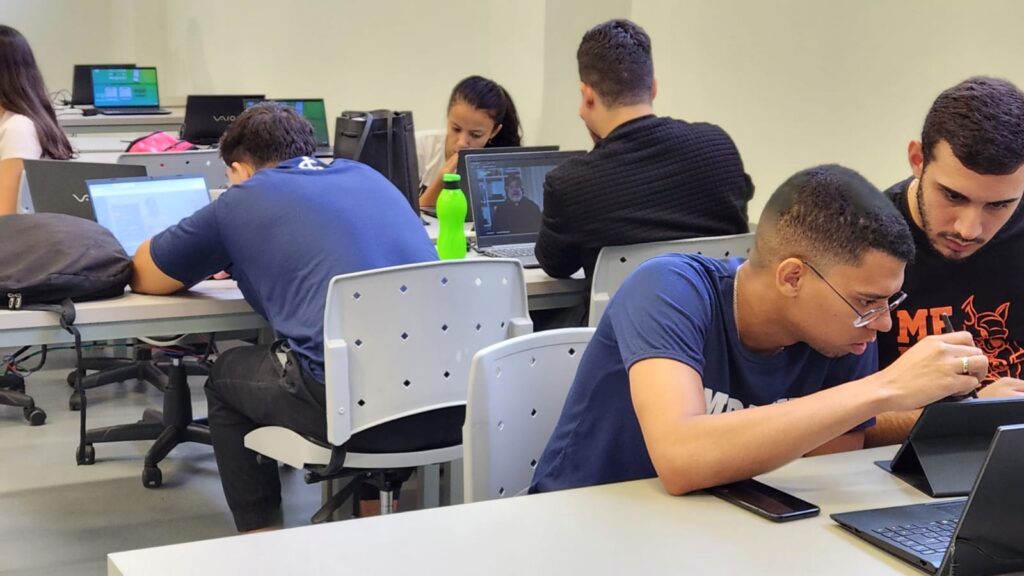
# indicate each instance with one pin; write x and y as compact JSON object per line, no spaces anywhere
{"x":705,"y":371}
{"x":963,"y":207}
{"x":648,"y":178}
{"x":287,"y":225}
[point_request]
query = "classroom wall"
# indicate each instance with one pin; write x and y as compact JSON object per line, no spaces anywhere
{"x":796,"y":82}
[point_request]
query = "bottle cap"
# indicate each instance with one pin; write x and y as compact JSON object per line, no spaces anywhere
{"x":451,"y":180}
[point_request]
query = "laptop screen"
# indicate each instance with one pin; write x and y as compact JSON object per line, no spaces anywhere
{"x":135,"y":209}
{"x":312,"y":109}
{"x":506,"y":192}
{"x":124,"y":87}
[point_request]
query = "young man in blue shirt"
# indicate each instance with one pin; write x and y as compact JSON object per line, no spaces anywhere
{"x":705,"y":372}
{"x":287,"y":225}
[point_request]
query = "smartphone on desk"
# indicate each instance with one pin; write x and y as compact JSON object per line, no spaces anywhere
{"x":763,"y":500}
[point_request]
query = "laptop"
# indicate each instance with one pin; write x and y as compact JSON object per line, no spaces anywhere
{"x":945,"y":449}
{"x":59,"y":185}
{"x":506,"y":195}
{"x":983,"y":534}
{"x":313,"y":110}
{"x":208,"y":163}
{"x":136,"y":209}
{"x":124,"y":91}
{"x":207,"y":117}
{"x":81,"y":83}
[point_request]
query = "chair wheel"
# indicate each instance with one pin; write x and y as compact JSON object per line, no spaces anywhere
{"x":85,"y":455}
{"x":74,"y":402}
{"x":35,"y":416}
{"x":151,"y":477}
{"x":71,"y":378}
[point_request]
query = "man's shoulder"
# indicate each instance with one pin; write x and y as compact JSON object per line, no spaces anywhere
{"x":897,"y":191}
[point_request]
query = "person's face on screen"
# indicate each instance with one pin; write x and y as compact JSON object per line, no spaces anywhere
{"x":830,"y":300}
{"x":514,"y":189}
{"x":960,"y":210}
{"x":468,"y":127}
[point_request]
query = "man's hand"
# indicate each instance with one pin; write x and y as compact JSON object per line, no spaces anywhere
{"x":933,"y":369}
{"x":1003,"y":388}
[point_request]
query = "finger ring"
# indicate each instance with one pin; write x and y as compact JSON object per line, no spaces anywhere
{"x":965,"y":366}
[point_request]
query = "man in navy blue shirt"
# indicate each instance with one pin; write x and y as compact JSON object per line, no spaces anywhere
{"x":287,"y":225}
{"x":705,"y":372}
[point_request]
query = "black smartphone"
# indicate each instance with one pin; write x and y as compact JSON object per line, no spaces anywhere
{"x":763,"y":500}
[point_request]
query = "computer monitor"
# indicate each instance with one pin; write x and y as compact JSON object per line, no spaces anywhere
{"x":125,"y":88}
{"x":135,"y":209}
{"x":81,"y":84}
{"x":312,"y":109}
{"x":207,"y":117}
{"x":59,"y":185}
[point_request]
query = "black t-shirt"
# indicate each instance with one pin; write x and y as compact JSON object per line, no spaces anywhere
{"x":983,"y":294}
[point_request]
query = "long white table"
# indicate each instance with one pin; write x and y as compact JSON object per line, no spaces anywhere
{"x":75,"y":123}
{"x":627,"y":528}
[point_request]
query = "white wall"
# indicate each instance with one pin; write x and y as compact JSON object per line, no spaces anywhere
{"x":796,"y":82}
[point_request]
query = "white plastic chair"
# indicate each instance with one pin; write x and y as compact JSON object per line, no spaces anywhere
{"x":516,"y":392}
{"x":398,"y":343}
{"x":615,"y":263}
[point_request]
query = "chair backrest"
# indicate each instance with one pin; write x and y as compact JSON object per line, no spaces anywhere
{"x":398,"y":341}
{"x":615,"y":263}
{"x":516,"y":392}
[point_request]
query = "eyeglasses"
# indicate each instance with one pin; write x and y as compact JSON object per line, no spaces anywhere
{"x":864,"y":318}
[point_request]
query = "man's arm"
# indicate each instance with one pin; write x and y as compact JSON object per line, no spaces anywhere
{"x":147,"y":278}
{"x":890,"y":428}
{"x":691,"y":450}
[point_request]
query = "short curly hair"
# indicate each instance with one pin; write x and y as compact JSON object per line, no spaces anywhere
{"x":615,"y":59}
{"x":830,"y":215}
{"x":266,"y":135}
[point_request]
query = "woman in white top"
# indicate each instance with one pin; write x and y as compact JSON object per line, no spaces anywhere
{"x":481,"y":114}
{"x":28,"y":124}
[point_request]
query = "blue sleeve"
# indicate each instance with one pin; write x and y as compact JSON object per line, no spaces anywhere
{"x":663,"y":310}
{"x":852,"y":367}
{"x":192,"y":249}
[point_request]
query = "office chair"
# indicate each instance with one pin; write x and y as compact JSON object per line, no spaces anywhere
{"x":397,"y":347}
{"x":615,"y":263}
{"x":12,"y":393}
{"x":516,"y":392}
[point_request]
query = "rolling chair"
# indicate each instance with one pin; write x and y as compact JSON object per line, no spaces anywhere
{"x":12,"y":393}
{"x":516,"y":392}
{"x":615,"y":263}
{"x":397,"y":348}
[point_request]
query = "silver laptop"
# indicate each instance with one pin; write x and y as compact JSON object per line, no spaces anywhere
{"x":506,"y":195}
{"x":207,"y":163}
{"x":982,"y":535}
{"x":136,"y":209}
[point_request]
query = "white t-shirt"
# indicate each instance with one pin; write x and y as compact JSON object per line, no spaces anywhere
{"x":18,"y":138}
{"x":430,"y":154}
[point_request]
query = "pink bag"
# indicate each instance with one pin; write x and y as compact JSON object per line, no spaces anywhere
{"x":159,"y":142}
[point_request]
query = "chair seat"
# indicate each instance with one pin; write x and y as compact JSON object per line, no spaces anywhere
{"x":298,"y":451}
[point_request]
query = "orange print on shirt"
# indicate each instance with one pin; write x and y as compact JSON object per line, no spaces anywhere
{"x":993,"y":337}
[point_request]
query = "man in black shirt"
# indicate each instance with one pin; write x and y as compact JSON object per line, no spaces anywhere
{"x":963,"y":204}
{"x":647,"y":178}
{"x":517,"y":214}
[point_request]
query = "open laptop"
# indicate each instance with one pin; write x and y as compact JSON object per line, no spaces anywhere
{"x":982,"y":535}
{"x":81,"y":82}
{"x":135,"y":209}
{"x":313,"y":110}
{"x":59,"y":185}
{"x":123,"y":91}
{"x":945,"y":449}
{"x":506,"y":195}
{"x":208,"y":163}
{"x":207,"y":117}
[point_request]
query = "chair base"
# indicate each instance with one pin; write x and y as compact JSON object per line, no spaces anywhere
{"x":12,"y":393}
{"x":110,"y":370}
{"x":171,"y":427}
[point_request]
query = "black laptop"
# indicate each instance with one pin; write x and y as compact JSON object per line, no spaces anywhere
{"x":207,"y":117}
{"x":59,"y":185}
{"x":126,"y":91}
{"x":506,"y":195}
{"x":945,"y":449}
{"x":81,"y":83}
{"x":979,"y":536}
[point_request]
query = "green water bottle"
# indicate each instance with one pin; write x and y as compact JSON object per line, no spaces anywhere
{"x":451,"y":213}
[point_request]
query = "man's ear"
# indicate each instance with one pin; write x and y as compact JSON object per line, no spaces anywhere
{"x":915,"y":156}
{"x":789,"y":276}
{"x":589,"y":95}
{"x":654,"y":88}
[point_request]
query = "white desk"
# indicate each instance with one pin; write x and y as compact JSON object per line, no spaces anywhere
{"x":628,"y":528}
{"x":75,"y":124}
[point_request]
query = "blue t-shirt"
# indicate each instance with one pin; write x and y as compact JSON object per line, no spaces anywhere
{"x":678,"y":307}
{"x":288,"y":230}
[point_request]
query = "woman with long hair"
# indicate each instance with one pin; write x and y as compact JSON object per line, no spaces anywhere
{"x":481,"y":114}
{"x":28,"y":124}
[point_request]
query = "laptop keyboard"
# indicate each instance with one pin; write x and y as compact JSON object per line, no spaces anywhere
{"x":927,"y":538}
{"x":131,"y":111}
{"x":509,"y":252}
